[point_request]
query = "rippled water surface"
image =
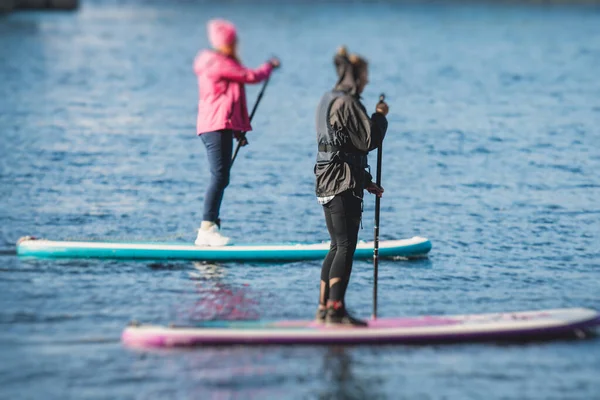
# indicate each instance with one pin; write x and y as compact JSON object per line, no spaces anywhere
{"x":492,"y":154}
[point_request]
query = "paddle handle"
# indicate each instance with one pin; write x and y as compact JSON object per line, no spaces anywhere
{"x":376,"y":227}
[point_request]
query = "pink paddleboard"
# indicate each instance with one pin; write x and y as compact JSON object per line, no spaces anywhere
{"x":525,"y":325}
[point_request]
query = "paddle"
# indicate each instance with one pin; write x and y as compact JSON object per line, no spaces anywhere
{"x":243,"y":135}
{"x":377,"y":207}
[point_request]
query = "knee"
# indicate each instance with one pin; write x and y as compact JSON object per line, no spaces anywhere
{"x":224,"y":181}
{"x":346,"y":248}
{"x":221,"y":179}
{"x":345,"y":244}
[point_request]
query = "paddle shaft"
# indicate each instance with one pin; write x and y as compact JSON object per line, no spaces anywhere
{"x":376,"y":228}
{"x":260,"y":95}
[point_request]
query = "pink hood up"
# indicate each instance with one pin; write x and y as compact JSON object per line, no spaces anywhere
{"x":222,"y":100}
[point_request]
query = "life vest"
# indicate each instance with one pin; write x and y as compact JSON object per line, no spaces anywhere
{"x":334,"y":143}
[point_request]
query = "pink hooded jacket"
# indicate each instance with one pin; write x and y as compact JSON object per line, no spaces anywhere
{"x":222,"y":100}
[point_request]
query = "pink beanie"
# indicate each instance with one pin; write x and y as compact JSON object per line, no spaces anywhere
{"x":221,"y":33}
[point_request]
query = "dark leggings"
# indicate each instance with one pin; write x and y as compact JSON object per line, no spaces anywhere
{"x":219,"y":146}
{"x":342,"y":215}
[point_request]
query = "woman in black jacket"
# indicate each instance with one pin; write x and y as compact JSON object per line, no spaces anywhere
{"x":345,"y":135}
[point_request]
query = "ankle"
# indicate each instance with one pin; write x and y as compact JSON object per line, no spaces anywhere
{"x":336,"y":305}
{"x":206,"y":225}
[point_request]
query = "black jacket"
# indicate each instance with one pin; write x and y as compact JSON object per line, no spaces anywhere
{"x":349,"y":116}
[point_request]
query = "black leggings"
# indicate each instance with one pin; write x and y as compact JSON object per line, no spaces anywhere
{"x":342,"y":215}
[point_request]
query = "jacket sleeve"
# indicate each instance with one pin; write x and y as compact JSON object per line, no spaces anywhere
{"x":235,"y":72}
{"x":365,"y":133}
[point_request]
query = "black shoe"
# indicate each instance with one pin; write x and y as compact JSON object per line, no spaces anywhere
{"x":341,"y":317}
{"x":321,"y":315}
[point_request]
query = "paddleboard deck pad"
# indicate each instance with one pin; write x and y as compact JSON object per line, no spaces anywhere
{"x":30,"y":247}
{"x":524,"y":325}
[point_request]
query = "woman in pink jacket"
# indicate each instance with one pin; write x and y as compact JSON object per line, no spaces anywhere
{"x":222,"y":115}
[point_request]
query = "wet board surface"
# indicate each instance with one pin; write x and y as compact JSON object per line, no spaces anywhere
{"x":414,"y":247}
{"x":424,"y":329}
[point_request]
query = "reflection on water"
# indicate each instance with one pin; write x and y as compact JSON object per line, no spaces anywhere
{"x":344,"y":382}
{"x":207,"y":271}
{"x":215,"y":299}
{"x":327,"y":372}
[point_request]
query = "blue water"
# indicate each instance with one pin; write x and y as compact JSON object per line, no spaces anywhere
{"x":492,"y":154}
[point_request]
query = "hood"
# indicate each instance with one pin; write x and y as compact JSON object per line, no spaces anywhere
{"x":346,"y":75}
{"x":221,"y":33}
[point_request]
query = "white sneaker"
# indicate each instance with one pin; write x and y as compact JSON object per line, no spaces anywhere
{"x":211,"y":237}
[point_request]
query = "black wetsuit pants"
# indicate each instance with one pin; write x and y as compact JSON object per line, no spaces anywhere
{"x":342,"y":215}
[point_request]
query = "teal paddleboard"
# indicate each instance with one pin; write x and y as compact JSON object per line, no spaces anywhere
{"x":414,"y":247}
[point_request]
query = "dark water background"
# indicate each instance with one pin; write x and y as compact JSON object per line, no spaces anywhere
{"x":492,"y":154}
